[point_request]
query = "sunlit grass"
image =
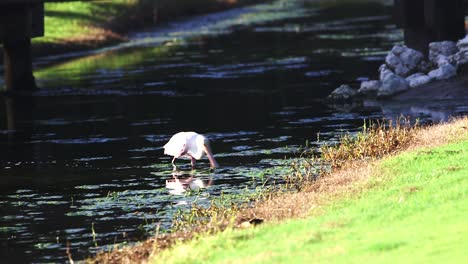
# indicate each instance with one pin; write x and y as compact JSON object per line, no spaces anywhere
{"x":413,"y":210}
{"x":98,"y":22}
{"x":113,"y":61}
{"x":359,"y":212}
{"x":66,"y":22}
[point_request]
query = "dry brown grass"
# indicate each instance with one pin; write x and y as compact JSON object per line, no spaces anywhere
{"x":439,"y":135}
{"x":380,"y":139}
{"x":354,"y":163}
{"x":347,"y":179}
{"x":312,"y":197}
{"x":140,"y":253}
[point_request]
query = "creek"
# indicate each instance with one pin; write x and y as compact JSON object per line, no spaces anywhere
{"x":81,"y":162}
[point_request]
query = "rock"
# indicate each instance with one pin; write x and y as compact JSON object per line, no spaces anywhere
{"x":463,"y":43}
{"x":251,"y":223}
{"x":443,"y":72}
{"x":445,"y":48}
{"x":411,"y":58}
{"x":424,"y":67}
{"x":403,"y":60}
{"x":369,"y":87}
{"x":461,"y":57}
{"x":418,"y":79}
{"x":442,"y":60}
{"x":398,"y":49}
{"x":245,"y":224}
{"x":384,"y":71}
{"x":392,"y":85}
{"x":441,"y":49}
{"x":394,"y":62}
{"x":344,"y":92}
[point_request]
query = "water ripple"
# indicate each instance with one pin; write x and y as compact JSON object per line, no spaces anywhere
{"x":90,"y":140}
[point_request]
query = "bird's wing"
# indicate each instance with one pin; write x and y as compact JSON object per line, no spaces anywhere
{"x":195,"y":146}
{"x":176,"y":146}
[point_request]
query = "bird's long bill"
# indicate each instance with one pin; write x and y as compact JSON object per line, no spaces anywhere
{"x":210,"y":156}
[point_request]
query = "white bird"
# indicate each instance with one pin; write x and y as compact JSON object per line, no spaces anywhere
{"x":189,"y":144}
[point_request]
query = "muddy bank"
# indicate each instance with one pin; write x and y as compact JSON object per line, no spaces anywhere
{"x":438,"y":101}
{"x":452,"y":89}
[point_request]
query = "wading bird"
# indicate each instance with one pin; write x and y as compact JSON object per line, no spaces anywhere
{"x":189,"y":144}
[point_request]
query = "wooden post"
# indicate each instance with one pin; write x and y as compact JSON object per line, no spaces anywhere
{"x":18,"y":24}
{"x":425,"y":21}
{"x":18,"y":65}
{"x":446,"y":19}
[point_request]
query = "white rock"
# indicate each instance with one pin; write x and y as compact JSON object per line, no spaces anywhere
{"x":403,"y":60}
{"x":441,"y":60}
{"x":384,"y":71}
{"x":411,"y":58}
{"x":392,"y":60}
{"x":443,"y":72}
{"x":369,"y":87}
{"x":391,"y":85}
{"x":441,"y":48}
{"x":344,"y":92}
{"x":452,"y":60}
{"x":462,"y":43}
{"x":402,"y":70}
{"x":461,"y":57}
{"x":441,"y":53}
{"x":398,"y":49}
{"x":418,"y":79}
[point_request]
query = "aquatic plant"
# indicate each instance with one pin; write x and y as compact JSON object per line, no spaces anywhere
{"x":376,"y":140}
{"x":93,"y":233}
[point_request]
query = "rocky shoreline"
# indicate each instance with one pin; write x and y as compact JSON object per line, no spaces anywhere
{"x":408,"y":74}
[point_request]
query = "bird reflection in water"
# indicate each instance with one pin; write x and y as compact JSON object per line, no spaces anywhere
{"x":179,"y":183}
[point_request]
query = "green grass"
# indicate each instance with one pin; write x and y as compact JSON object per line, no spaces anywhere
{"x":71,"y":20}
{"x":96,"y":22}
{"x":413,"y":210}
{"x":113,"y":61}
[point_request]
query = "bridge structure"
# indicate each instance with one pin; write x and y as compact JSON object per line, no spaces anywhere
{"x":20,"y":20}
{"x":423,"y":21}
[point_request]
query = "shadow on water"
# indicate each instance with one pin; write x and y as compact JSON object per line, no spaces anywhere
{"x":82,"y":158}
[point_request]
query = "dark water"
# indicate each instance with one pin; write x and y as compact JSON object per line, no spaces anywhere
{"x":84,"y":154}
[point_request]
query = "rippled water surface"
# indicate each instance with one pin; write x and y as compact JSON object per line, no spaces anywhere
{"x":81,"y":161}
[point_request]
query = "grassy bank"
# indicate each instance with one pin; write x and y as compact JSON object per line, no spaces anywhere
{"x":399,"y":196}
{"x":413,"y":209}
{"x":83,"y":25}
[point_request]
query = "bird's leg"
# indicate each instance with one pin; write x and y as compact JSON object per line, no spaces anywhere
{"x":193,"y":161}
{"x":173,"y":164}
